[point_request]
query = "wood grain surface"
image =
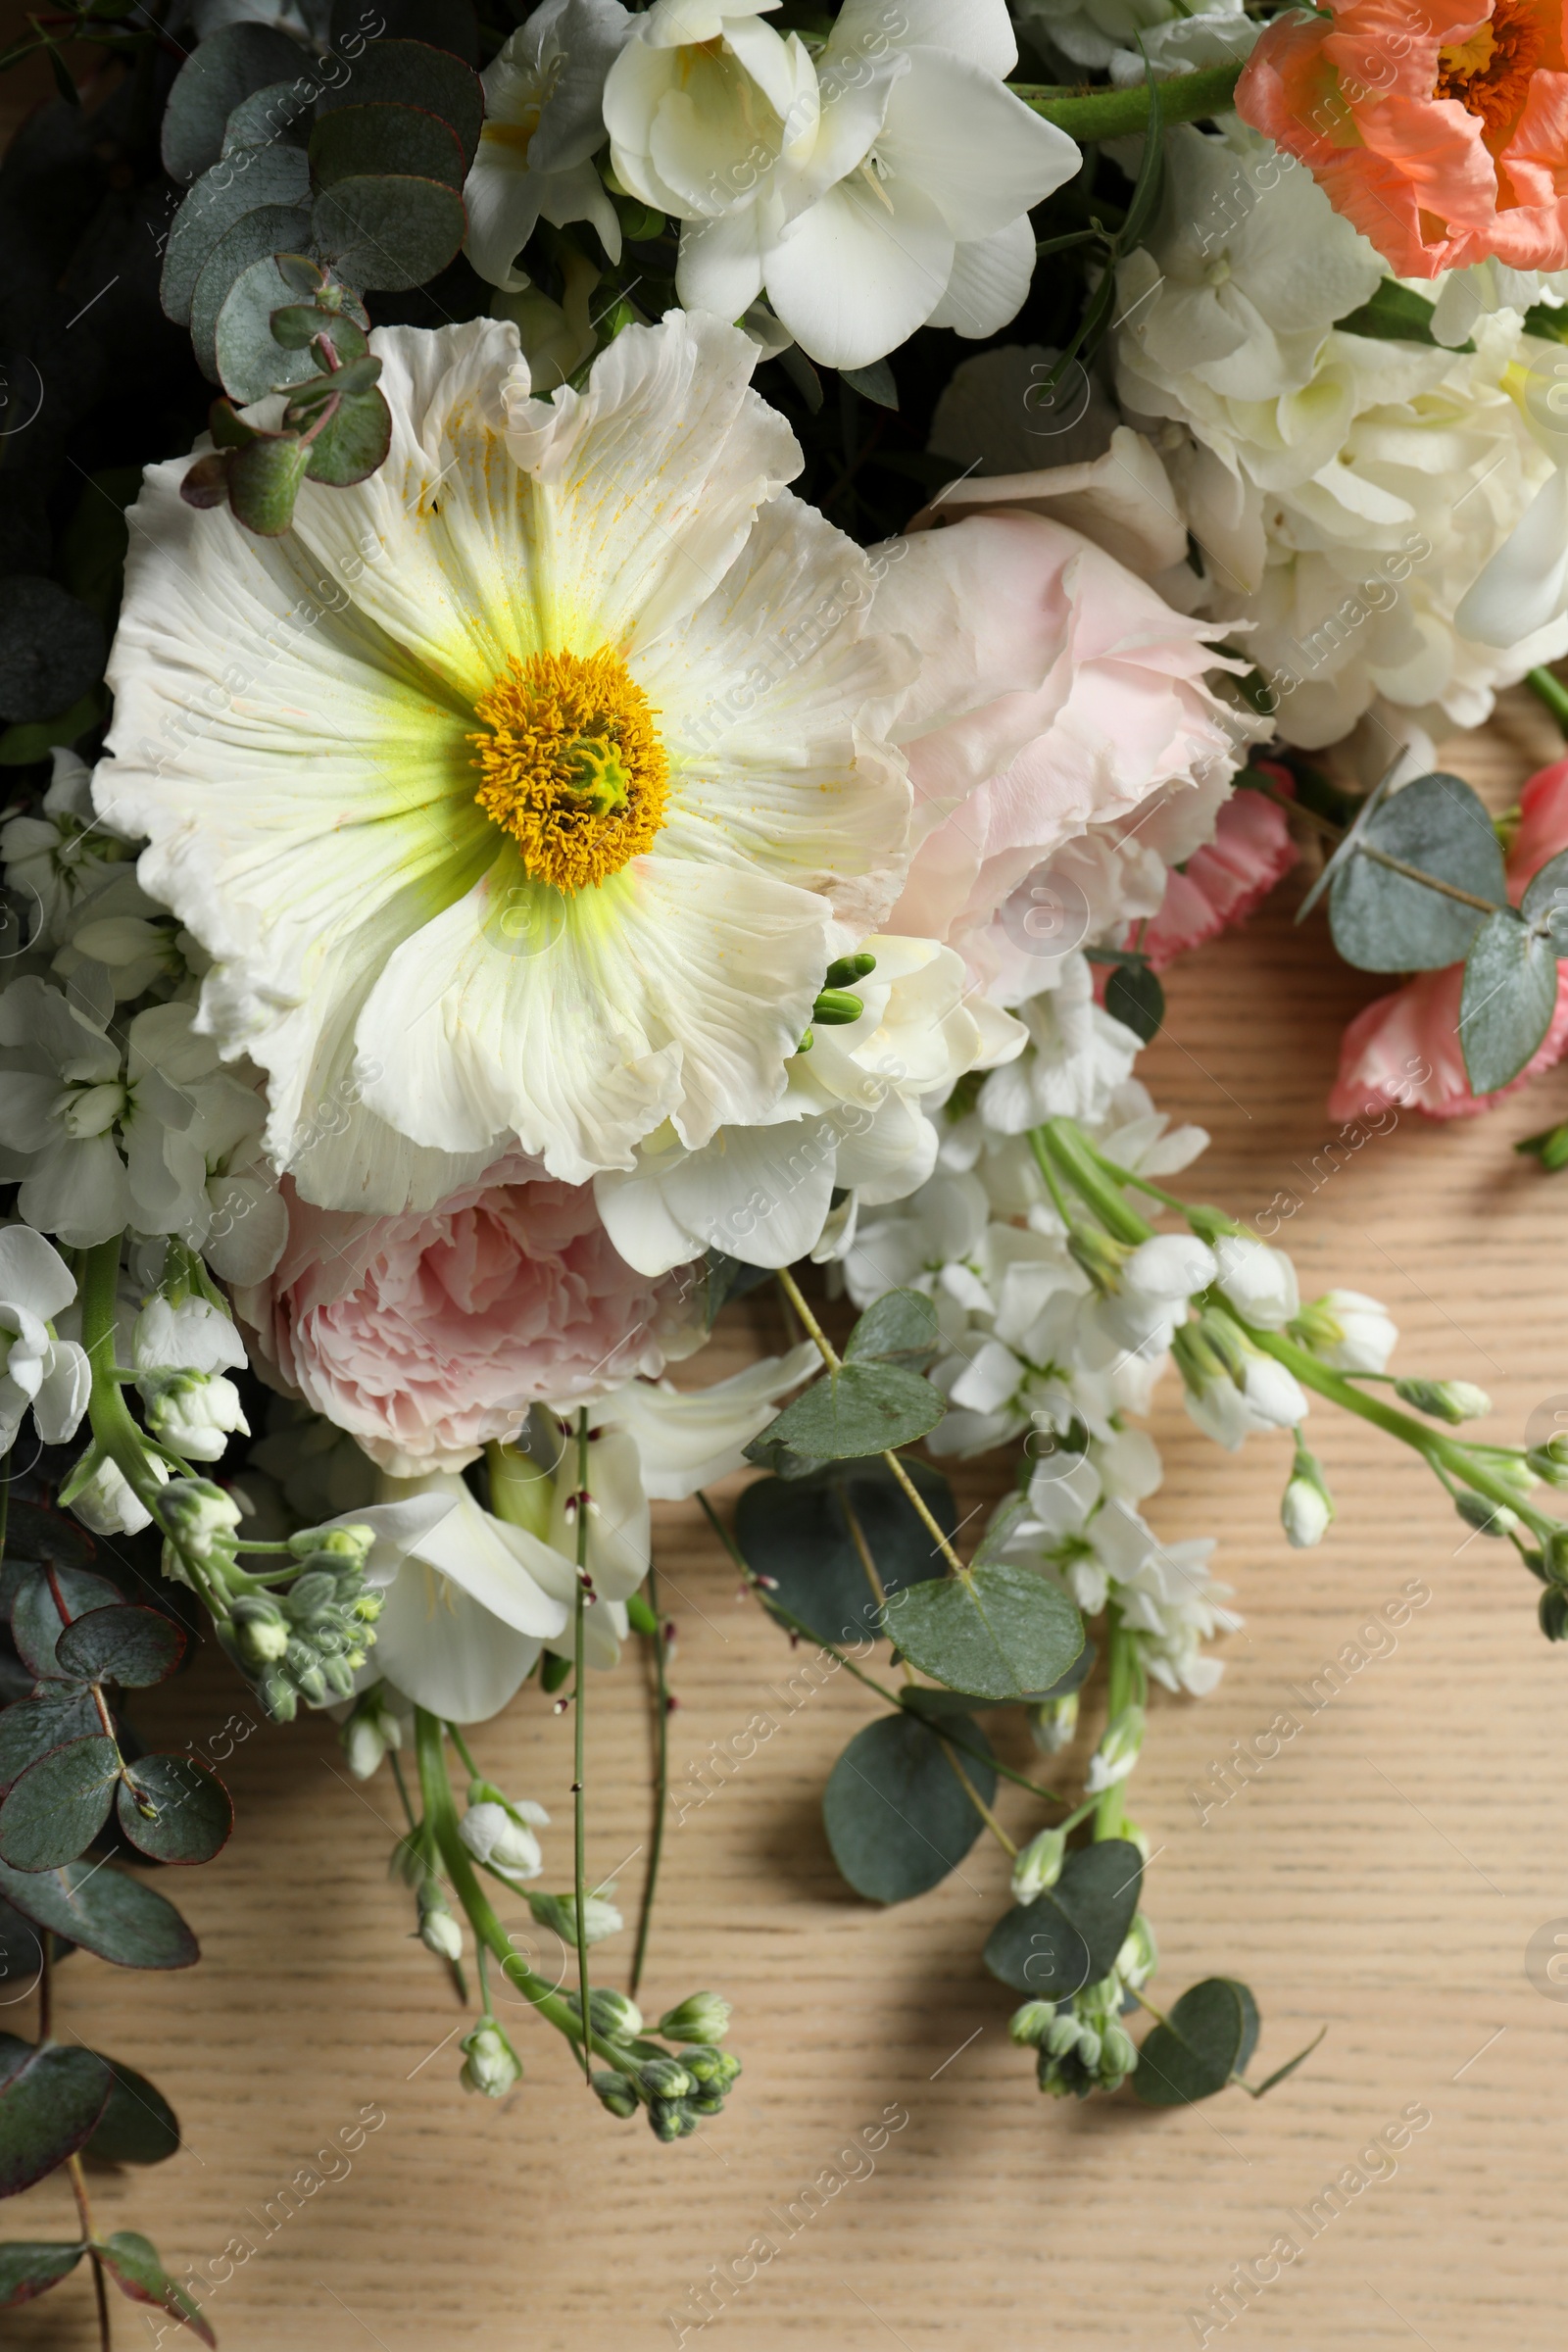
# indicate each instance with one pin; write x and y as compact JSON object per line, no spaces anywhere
{"x":1383,"y":1875}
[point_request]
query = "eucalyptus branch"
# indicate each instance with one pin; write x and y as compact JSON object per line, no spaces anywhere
{"x":578,"y":1790}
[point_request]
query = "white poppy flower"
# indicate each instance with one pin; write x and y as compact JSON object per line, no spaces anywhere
{"x":849,"y":1120}
{"x":543,"y":121}
{"x":545,"y":826}
{"x":51,"y":1377}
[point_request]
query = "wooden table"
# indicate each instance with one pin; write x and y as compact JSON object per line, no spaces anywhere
{"x":1385,"y":1876}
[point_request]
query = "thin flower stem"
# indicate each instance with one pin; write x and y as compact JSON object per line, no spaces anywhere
{"x":1120,"y":1684}
{"x":1312,"y":817}
{"x":46,"y":1984}
{"x":1158,"y":2015}
{"x":578,"y":1790}
{"x":79,"y":2190}
{"x":978,"y":1802}
{"x":1043,"y":1163}
{"x":829,"y":1354}
{"x":863,"y":1548}
{"x":1552,"y":692}
{"x":1416,"y":873}
{"x":656,"y":1850}
{"x":1116,"y":113}
{"x":461,"y":1746}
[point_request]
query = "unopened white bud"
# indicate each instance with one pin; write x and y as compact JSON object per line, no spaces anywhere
{"x":194,"y":1413}
{"x":493,"y":1836}
{"x":1039,"y":1865}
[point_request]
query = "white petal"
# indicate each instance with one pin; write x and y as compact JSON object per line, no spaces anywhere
{"x":61,"y":1398}
{"x":990,"y":281}
{"x":686,"y":1438}
{"x":979,"y":153}
{"x":445,"y":1651}
{"x":853,"y":278}
{"x":33,"y":1274}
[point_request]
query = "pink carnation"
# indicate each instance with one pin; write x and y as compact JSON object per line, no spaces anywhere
{"x":1226,"y":880}
{"x":427,"y":1336}
{"x":1405,"y":1048}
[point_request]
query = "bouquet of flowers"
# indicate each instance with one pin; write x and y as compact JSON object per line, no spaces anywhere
{"x":493,"y":874}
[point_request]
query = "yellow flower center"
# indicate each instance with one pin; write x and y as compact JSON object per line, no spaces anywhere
{"x":573,"y":766}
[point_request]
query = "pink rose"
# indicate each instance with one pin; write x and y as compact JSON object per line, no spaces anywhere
{"x":1226,"y":880}
{"x":427,"y":1336}
{"x":1405,"y":1048}
{"x":1058,"y":698}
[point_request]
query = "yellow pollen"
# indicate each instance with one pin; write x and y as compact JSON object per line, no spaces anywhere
{"x":571,"y":764}
{"x":1490,"y":73}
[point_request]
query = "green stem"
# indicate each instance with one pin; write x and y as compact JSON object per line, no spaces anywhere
{"x":1075,"y":1156}
{"x":1121,"y":1689}
{"x":660,"y":1784}
{"x":461,"y":1746}
{"x":441,"y":1812}
{"x":1111,"y":114}
{"x":1551,"y":692}
{"x":578,"y":1792}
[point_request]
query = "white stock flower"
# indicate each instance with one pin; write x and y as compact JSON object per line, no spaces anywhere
{"x":1118,"y":33}
{"x":885,"y":189}
{"x":59,"y":856}
{"x":138,"y":944}
{"x":192,"y":1336}
{"x":108,"y":1502}
{"x":543,"y":123}
{"x":494,"y":1834}
{"x":1266,"y":1398}
{"x":1076,"y":1058}
{"x":1350,"y":1331}
{"x":1259,"y":1282}
{"x":50,"y":1377}
{"x":194,"y":1413}
{"x":547,"y":829}
{"x":850,"y":1119}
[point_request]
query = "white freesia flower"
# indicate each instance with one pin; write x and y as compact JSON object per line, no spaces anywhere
{"x":703,"y":102}
{"x":543,"y":123}
{"x":49,"y":1377}
{"x":549,"y":831}
{"x":850,"y":1119}
{"x":1078,"y":1057}
{"x":889,"y":191}
{"x":59,"y":855}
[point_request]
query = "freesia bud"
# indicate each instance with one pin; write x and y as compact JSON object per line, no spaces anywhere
{"x":194,"y":1413}
{"x":199,"y":1517}
{"x":1118,"y":1751}
{"x":493,"y":1836}
{"x":439,"y":1932}
{"x":700,"y":2017}
{"x":1039,"y":1865}
{"x":490,"y":2064}
{"x":261,"y":1631}
{"x":616,"y":2092}
{"x":1259,"y":1282}
{"x":1452,"y":1400}
{"x":1308,"y":1507}
{"x":1054,"y":1722}
{"x":1348,"y":1330}
{"x":1029,"y":2026}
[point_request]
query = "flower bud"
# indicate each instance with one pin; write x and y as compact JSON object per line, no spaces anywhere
{"x":600,"y":1918}
{"x":1030,"y":2024}
{"x":1259,"y":1282}
{"x":1119,"y":1746}
{"x":1554,"y":1613}
{"x":713,"y":2070}
{"x":700,"y":2017}
{"x":199,"y":1518}
{"x":1139,"y":1956}
{"x":1039,"y":1866}
{"x":1452,"y":1400}
{"x":194,"y":1413}
{"x":671,"y":2119}
{"x":490,"y":2064}
{"x":1307,"y":1507}
{"x":1061,"y":2035}
{"x":1348,"y":1330}
{"x":1054,"y":1723}
{"x":261,"y":1631}
{"x":1118,"y":2052}
{"x":493,"y":1836}
{"x":439,"y":1932}
{"x":616,"y":2094}
{"x":614,"y":2015}
{"x":665,"y":2079}
{"x":1549,"y":1462}
{"x":353,"y":1544}
{"x":1487,"y":1517}
{"x":1088,"y":2052}
{"x":106,"y":1502}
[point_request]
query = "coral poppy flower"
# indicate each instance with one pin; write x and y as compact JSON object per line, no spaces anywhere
{"x":1441,"y":132}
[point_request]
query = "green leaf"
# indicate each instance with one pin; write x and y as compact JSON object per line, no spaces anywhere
{"x":1135,"y":997}
{"x":173,"y":1808}
{"x":243,"y":182}
{"x":934,"y":1704}
{"x":1208,"y":2036}
{"x":1069,"y":1936}
{"x":249,"y":361}
{"x":865,"y":1408}
{"x":214,"y":80}
{"x":46,"y":1537}
{"x":389,"y":233}
{"x":105,"y":1911}
{"x":127,"y":1644}
{"x":279,"y":110}
{"x":90,"y":558}
{"x":55,"y":1809}
{"x":138,"y":2126}
{"x":297,"y":324}
{"x":1397,"y":315}
{"x":1508,"y":998}
{"x":1546,"y":900}
{"x":132,"y":2263}
{"x":1550,"y":1147}
{"x":38,"y":1618}
{"x":266,"y":230}
{"x":52,"y":649}
{"x":897,"y":1814}
{"x":264,"y":481}
{"x":367,"y":142}
{"x":27,"y":2270}
{"x":353,"y":442}
{"x":412,"y":74}
{"x":874,"y":383}
{"x":51,"y":2097}
{"x":795,"y":1533}
{"x":50,"y":1717}
{"x":899,"y":1328}
{"x":1259,"y":2090}
{"x":21,"y":1954}
{"x":1384,"y":923}
{"x":724,"y":1278}
{"x":999,"y":1631}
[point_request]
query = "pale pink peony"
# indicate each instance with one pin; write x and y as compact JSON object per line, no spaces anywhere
{"x":1058,"y":697}
{"x":1226,"y":880}
{"x":1405,"y":1048}
{"x":1439,"y":131}
{"x":427,"y":1336}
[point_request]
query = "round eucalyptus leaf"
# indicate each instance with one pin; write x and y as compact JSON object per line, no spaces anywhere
{"x":125,"y":1644}
{"x":29,"y":2267}
{"x":388,"y":234}
{"x":1134,"y":996}
{"x":280,"y":110}
{"x":243,"y":182}
{"x":55,"y":1809}
{"x":1208,"y":2036}
{"x":1069,"y":1936}
{"x":45,"y":1605}
{"x":264,"y":481}
{"x":138,"y":2126}
{"x":215,"y":79}
{"x":1546,"y":900}
{"x":43,"y":1536}
{"x":353,"y":442}
{"x":104,"y":1910}
{"x":867,"y":1407}
{"x":899,"y":1328}
{"x":412,"y":74}
{"x":997,"y":1630}
{"x":51,"y":2097}
{"x":52,"y":648}
{"x":1508,"y":998}
{"x":249,"y":361}
{"x":1382,"y":922}
{"x":897,"y":1814}
{"x":357,"y":142}
{"x":173,"y":1808}
{"x":446,"y":24}
{"x":132,"y":2263}
{"x":49,"y":1718}
{"x":795,"y":1533}
{"x":271,"y":229}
